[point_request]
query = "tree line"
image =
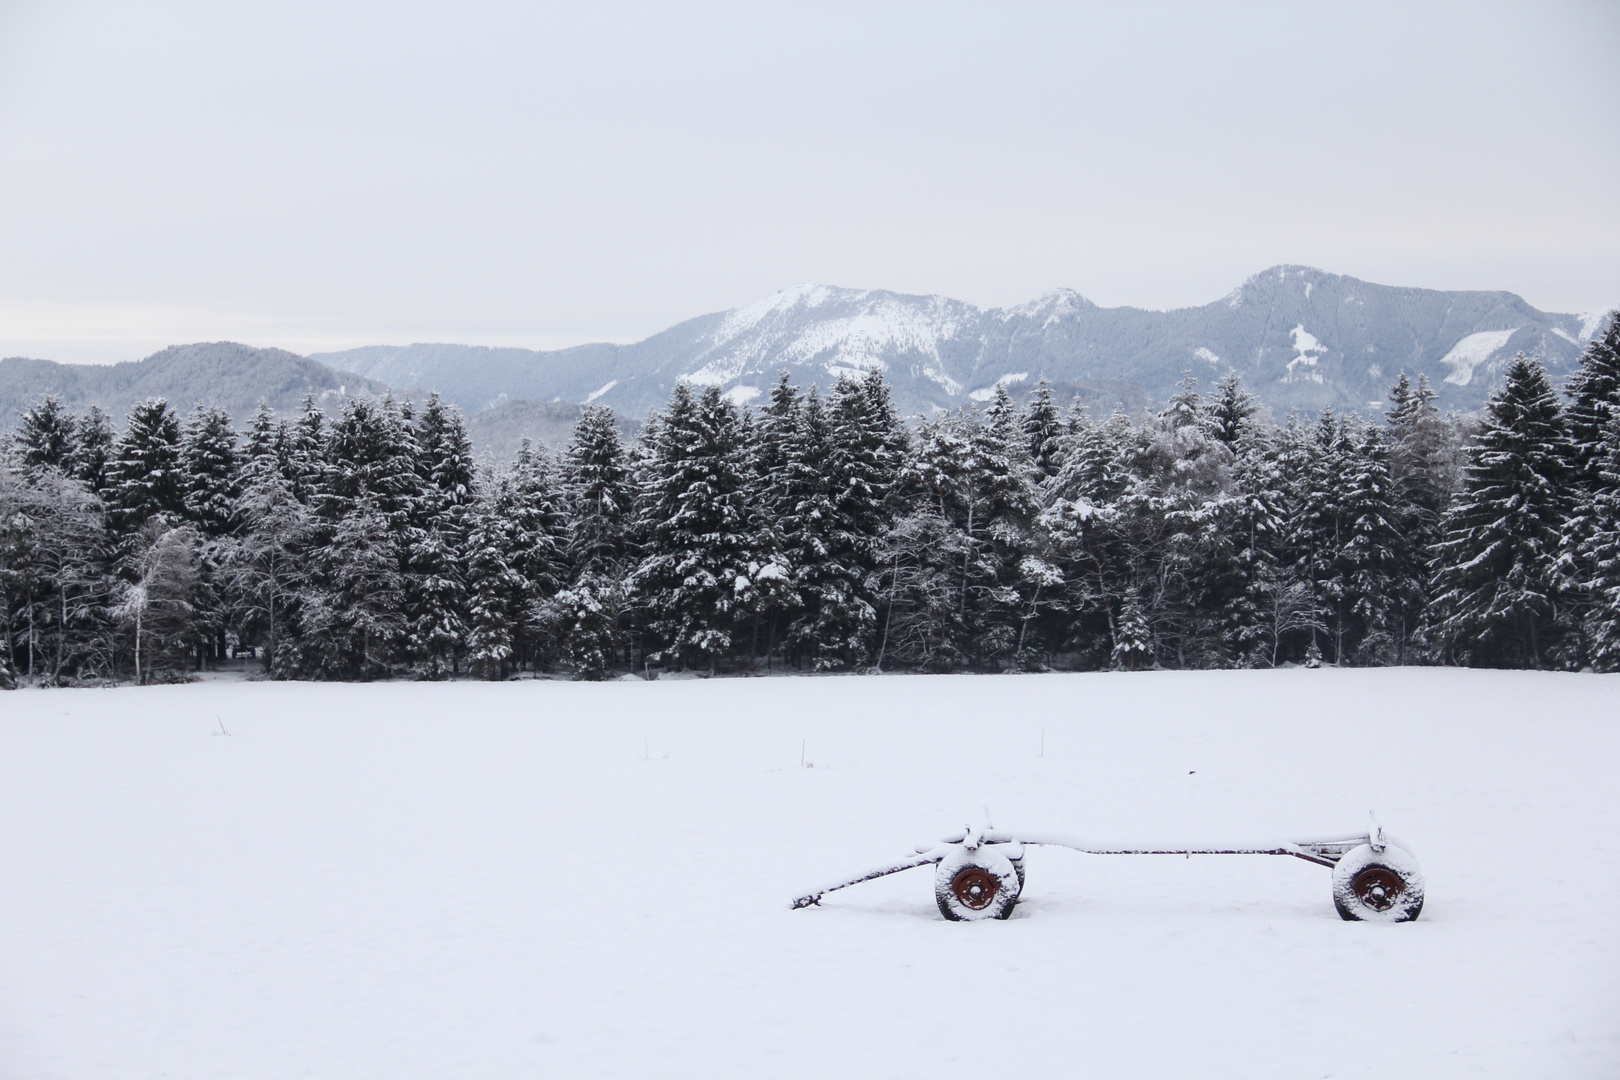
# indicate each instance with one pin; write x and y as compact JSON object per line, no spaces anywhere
{"x":819,"y":533}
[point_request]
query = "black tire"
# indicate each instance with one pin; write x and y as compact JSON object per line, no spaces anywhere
{"x":1373,"y":886}
{"x":974,"y":885}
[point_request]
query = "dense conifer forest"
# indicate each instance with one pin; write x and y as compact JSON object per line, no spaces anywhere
{"x":819,"y":533}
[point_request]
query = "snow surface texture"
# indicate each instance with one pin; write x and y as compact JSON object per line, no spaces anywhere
{"x":1307,"y":350}
{"x":1473,"y":351}
{"x":573,"y":880}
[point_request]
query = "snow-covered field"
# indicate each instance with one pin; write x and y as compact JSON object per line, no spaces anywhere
{"x":563,"y":880}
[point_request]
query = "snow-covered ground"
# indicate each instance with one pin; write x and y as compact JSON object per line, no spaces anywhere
{"x":547,"y":879}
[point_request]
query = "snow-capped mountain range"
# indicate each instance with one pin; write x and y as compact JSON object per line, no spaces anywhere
{"x":1300,"y":338}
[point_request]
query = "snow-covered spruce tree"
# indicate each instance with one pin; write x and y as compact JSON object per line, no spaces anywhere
{"x":918,"y":585}
{"x":497,"y":594}
{"x":869,"y":445}
{"x":265,"y":561}
{"x":1229,"y":415}
{"x":435,"y":600}
{"x":1599,"y":554}
{"x":1594,"y":399}
{"x":770,"y":496}
{"x":824,"y":547}
{"x":1369,"y":563}
{"x":1175,"y":517}
{"x":1185,"y":405}
{"x":444,"y":466}
{"x":304,"y":453}
{"x":976,"y":476}
{"x":436,"y":586}
{"x":1496,"y":591}
{"x":1133,"y":639}
{"x":351,"y":611}
{"x":370,"y":453}
{"x":46,"y":436}
{"x":264,"y":446}
{"x":210,"y":484}
{"x":694,"y":583}
{"x":538,"y":547}
{"x":596,"y":484}
{"x":1252,"y":524}
{"x":1320,"y":524}
{"x":588,"y":615}
{"x":144,"y":478}
{"x":1423,"y":453}
{"x":1088,"y":529}
{"x":208,"y":470}
{"x":1594,"y":393}
{"x":93,"y":448}
{"x":1043,"y":428}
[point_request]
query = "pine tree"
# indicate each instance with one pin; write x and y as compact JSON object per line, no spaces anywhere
{"x":596,"y":479}
{"x":539,"y":540}
{"x":1044,"y":430}
{"x":824,"y":547}
{"x":1594,"y":392}
{"x":304,"y":457}
{"x":93,"y":448}
{"x":444,"y":465}
{"x":694,"y":585}
{"x":1600,"y":555}
{"x":588,"y":613}
{"x":435,"y":602}
{"x":1229,"y":414}
{"x":144,"y":478}
{"x":1496,"y":591}
{"x":1184,"y":405}
{"x":1133,"y":639}
{"x":264,"y":563}
{"x":46,"y":436}
{"x":977,"y":476}
{"x":1321,"y":522}
{"x":1423,"y":475}
{"x":351,"y":610}
{"x":371,"y":454}
{"x":496,"y":592}
{"x":208,"y":468}
{"x":436,"y":512}
{"x":1254,"y":523}
{"x":1369,"y":563}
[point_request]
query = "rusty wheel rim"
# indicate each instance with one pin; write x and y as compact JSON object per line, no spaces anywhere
{"x":975,"y":887}
{"x":1378,"y":887}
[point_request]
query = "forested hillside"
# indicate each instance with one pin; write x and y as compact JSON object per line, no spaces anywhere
{"x":234,"y":377}
{"x":819,"y":532}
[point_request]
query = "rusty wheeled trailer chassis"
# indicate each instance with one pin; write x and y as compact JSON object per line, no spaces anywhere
{"x":979,"y":873}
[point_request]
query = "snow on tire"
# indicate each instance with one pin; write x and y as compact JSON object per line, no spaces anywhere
{"x":979,"y":884}
{"x":1378,"y":886}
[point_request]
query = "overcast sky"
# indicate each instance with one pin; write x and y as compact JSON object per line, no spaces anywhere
{"x":323,"y":176}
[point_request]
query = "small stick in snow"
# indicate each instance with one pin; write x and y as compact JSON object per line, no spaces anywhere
{"x":221,"y":730}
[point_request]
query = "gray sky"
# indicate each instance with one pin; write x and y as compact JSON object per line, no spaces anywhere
{"x":325,"y":175}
